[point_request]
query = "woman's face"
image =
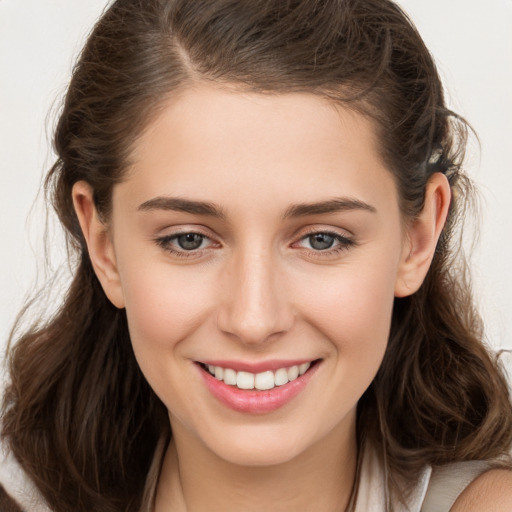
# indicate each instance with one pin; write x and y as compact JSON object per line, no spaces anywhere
{"x":258,"y":237}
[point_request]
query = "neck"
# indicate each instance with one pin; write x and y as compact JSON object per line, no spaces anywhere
{"x":194,"y":479}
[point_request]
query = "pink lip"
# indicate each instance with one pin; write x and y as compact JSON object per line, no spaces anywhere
{"x":253,"y":401}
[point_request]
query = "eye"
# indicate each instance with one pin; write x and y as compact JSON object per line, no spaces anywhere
{"x":184,"y":244}
{"x":325,"y":242}
{"x":190,"y":241}
{"x":321,"y":241}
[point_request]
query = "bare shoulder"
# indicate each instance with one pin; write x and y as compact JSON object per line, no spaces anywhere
{"x":490,"y":492}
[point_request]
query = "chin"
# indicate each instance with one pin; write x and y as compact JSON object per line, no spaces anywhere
{"x":258,"y":456}
{"x":254,"y":447}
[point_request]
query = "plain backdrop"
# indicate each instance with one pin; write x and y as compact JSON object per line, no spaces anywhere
{"x":471,"y":41}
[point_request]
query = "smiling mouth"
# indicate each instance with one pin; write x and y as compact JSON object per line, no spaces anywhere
{"x":262,"y":381}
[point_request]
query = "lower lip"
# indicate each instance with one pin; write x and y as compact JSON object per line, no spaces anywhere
{"x":256,"y":402}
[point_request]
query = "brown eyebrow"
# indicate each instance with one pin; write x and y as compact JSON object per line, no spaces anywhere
{"x":182,"y":205}
{"x":296,"y":210}
{"x":330,"y":206}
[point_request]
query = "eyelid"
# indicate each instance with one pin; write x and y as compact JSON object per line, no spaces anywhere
{"x":320,"y":228}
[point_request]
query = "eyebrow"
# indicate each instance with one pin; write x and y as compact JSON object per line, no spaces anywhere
{"x":331,"y":206}
{"x":296,"y":210}
{"x":182,"y":205}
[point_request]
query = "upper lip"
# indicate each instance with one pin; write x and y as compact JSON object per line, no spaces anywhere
{"x":257,"y":367}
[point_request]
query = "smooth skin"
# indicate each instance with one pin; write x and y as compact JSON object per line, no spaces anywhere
{"x":253,"y":228}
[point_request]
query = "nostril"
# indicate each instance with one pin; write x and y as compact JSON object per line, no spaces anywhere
{"x":255,"y":328}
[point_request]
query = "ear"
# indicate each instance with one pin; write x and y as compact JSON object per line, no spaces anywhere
{"x":99,"y":243}
{"x":422,"y":235}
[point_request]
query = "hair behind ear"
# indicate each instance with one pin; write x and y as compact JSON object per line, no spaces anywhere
{"x":7,"y":504}
{"x":95,"y":421}
{"x":439,"y":396}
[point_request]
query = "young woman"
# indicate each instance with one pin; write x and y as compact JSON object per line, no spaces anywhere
{"x":261,"y":198}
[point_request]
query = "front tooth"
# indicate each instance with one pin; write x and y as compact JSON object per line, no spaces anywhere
{"x":219,"y":372}
{"x":281,"y":377}
{"x":230,"y":377}
{"x":303,"y":368}
{"x":264,"y":380}
{"x":245,"y":380}
{"x":293,"y":372}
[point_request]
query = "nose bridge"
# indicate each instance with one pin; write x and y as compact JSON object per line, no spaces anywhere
{"x":254,"y":305}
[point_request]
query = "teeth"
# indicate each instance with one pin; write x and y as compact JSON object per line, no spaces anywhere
{"x":261,"y":381}
{"x":264,"y":380}
{"x":303,"y":368}
{"x":293,"y":373}
{"x":245,"y":380}
{"x":230,"y":377}
{"x":281,"y":377}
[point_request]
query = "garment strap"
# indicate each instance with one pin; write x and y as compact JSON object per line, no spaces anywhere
{"x":148,"y":499}
{"x":448,"y":482}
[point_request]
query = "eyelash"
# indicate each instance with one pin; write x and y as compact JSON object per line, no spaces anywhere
{"x":165,"y":242}
{"x":342,"y":242}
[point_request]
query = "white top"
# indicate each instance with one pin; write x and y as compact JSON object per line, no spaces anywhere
{"x":435,"y":490}
{"x":372,"y":493}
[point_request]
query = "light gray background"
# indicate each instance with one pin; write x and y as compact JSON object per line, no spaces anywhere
{"x":39,"y":39}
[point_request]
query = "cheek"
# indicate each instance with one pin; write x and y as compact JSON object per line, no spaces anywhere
{"x":163,"y":306}
{"x":352,"y":303}
{"x":351,"y":307}
{"x":353,"y":317}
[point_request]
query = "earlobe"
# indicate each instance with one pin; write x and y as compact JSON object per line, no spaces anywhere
{"x":99,"y":243}
{"x":422,"y":236}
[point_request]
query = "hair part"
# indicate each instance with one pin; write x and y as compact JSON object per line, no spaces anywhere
{"x":78,"y":414}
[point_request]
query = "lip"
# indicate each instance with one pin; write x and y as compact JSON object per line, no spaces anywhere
{"x":252,"y":401}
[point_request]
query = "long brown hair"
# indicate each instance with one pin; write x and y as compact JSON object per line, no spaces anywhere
{"x":78,"y":414}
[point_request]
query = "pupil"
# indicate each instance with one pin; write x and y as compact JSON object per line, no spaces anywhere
{"x":321,"y":241}
{"x":190,"y":241}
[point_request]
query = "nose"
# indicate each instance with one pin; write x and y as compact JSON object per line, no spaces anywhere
{"x":253,"y":304}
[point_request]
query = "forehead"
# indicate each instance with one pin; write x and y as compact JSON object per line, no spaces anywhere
{"x":208,"y":140}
